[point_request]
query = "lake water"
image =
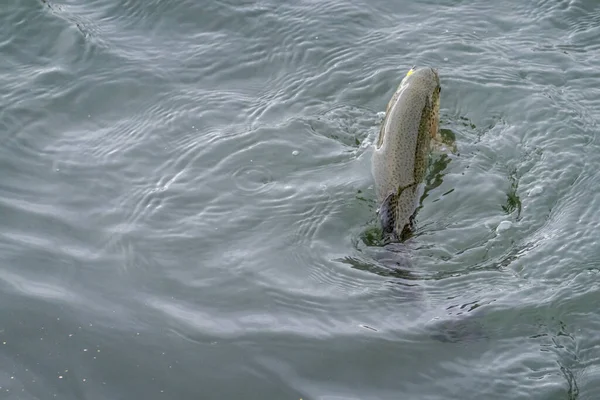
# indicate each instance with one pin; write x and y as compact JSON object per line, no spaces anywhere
{"x":187,"y":207}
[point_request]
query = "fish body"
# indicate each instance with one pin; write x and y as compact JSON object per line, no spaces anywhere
{"x":401,"y":152}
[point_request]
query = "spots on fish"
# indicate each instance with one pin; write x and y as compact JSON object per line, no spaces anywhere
{"x":394,"y":209}
{"x":423,"y":142}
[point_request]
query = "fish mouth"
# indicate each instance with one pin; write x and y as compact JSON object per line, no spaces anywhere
{"x":411,"y":70}
{"x":418,"y":73}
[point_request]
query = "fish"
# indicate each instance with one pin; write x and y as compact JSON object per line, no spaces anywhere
{"x":401,"y":151}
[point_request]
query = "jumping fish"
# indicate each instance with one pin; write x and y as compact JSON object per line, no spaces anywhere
{"x":401,"y":152}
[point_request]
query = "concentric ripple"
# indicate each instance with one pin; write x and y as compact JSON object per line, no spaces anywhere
{"x":253,"y":179}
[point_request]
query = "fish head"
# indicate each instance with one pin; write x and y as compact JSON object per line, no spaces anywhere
{"x":427,"y":80}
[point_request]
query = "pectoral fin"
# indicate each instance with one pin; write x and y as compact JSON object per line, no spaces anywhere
{"x":394,"y":210}
{"x":387,"y":213}
{"x":444,"y":142}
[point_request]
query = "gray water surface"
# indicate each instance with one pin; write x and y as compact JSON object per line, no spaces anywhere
{"x":188,"y":212}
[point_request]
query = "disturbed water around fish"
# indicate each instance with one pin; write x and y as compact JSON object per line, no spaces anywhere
{"x":188,"y":211}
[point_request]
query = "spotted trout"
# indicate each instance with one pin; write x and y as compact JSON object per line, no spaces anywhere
{"x":401,"y":152}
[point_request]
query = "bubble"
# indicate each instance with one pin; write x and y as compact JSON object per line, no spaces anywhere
{"x":253,"y":179}
{"x":503,"y":226}
{"x":536,"y":191}
{"x":295,"y":152}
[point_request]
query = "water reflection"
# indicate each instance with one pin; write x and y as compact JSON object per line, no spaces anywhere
{"x":392,"y":266}
{"x":513,"y":201}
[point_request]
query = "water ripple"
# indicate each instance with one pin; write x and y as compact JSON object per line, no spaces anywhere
{"x":202,"y":169}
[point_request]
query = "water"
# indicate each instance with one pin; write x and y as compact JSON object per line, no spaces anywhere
{"x":188,"y":213}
